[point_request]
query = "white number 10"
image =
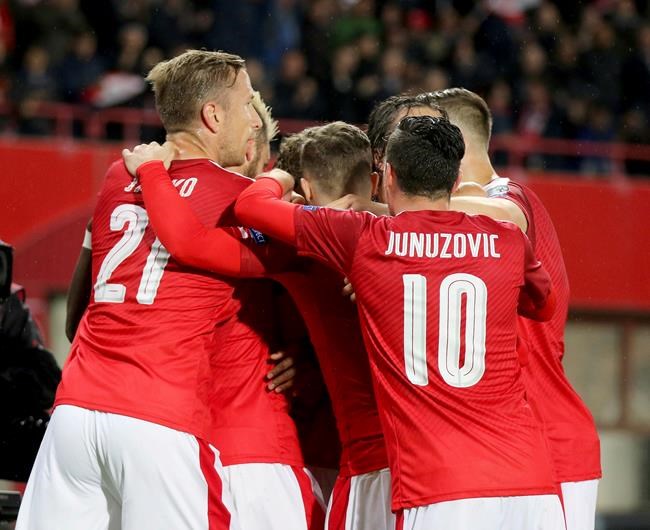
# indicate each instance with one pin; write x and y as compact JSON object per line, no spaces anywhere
{"x":452,"y":289}
{"x":136,"y":220}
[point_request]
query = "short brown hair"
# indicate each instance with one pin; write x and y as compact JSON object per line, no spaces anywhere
{"x":269,"y":129}
{"x":291,"y":152}
{"x":337,"y":156}
{"x":466,"y":109}
{"x":183,"y":84}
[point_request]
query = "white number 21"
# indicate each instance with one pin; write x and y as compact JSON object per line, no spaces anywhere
{"x":452,"y":289}
{"x":136,"y":220}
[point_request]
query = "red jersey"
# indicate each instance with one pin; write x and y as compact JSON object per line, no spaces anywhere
{"x":251,"y":424}
{"x":437,"y":293}
{"x":163,"y":342}
{"x":331,"y":319}
{"x":335,"y":332}
{"x":569,"y":426}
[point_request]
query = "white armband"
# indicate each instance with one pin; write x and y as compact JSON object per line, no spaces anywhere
{"x":88,"y":238}
{"x":497,"y":187}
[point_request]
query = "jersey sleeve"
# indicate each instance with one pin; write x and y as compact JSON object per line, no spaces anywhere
{"x":537,"y":299}
{"x":515,"y":194}
{"x":229,"y":251}
{"x":322,"y":233}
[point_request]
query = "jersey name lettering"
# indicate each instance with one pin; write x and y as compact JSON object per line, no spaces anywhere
{"x":185,"y":187}
{"x":442,"y":245}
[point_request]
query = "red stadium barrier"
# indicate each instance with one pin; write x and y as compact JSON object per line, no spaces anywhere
{"x":49,"y":188}
{"x":516,"y":147}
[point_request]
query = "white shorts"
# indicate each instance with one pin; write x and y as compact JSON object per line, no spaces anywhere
{"x":529,"y":512}
{"x":361,"y":502}
{"x":275,"y":497}
{"x":579,"y":500}
{"x":101,"y":471}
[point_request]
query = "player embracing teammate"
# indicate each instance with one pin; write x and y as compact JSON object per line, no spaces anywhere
{"x":167,"y":363}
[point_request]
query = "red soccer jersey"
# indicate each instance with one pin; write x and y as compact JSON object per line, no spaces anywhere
{"x":569,"y":426}
{"x":166,"y":343}
{"x":335,"y":332}
{"x":251,"y":424}
{"x":456,"y":422}
{"x":331,"y":319}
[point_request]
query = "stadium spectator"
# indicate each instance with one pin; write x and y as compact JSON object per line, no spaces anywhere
{"x":334,"y":59}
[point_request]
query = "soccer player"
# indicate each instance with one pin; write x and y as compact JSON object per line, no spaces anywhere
{"x":258,"y":149}
{"x":568,"y":424}
{"x":257,"y":438}
{"x":335,"y":159}
{"x":128,"y":443}
{"x":464,"y":448}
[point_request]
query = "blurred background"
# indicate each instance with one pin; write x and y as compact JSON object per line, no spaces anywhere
{"x":568,"y":84}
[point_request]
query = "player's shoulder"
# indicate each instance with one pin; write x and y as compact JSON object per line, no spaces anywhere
{"x":506,"y":188}
{"x":118,"y":179}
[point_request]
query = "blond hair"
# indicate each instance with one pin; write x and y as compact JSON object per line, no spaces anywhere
{"x":269,"y":129}
{"x":182,"y":85}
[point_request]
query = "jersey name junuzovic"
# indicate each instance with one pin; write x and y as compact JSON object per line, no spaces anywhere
{"x":438,"y":295}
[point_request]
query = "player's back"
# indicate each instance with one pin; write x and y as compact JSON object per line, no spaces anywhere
{"x":438,"y":294}
{"x":143,"y":346}
{"x":572,"y":434}
{"x":334,"y":330}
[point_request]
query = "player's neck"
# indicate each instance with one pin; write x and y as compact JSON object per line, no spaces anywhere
{"x":408,"y":203}
{"x":477,"y":167}
{"x":191,"y":145}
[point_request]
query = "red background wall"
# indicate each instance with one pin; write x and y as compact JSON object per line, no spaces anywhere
{"x":48,"y":189}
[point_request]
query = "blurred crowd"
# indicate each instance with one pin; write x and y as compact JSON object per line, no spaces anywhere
{"x":563,"y":70}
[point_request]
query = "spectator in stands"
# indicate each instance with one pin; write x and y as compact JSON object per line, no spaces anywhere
{"x":81,"y":69}
{"x":542,"y":62}
{"x":36,"y":77}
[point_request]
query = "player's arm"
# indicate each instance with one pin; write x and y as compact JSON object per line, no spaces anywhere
{"x":496,"y":208}
{"x":537,"y":299}
{"x":321,"y":233}
{"x":80,"y":287}
{"x":261,"y":206}
{"x":219,"y":250}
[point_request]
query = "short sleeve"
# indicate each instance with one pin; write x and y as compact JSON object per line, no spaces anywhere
{"x":330,"y":235}
{"x":517,"y":195}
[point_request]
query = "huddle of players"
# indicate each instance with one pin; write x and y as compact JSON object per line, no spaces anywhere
{"x":462,"y":445}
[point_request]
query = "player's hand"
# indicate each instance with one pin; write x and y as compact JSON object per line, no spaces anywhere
{"x":359,"y":204}
{"x":282,"y":376}
{"x":146,"y":153}
{"x":286,"y":181}
{"x":348,"y":290}
{"x":295,"y":198}
{"x":351,"y":202}
{"x":469,"y":189}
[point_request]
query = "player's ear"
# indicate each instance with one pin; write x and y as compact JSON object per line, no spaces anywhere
{"x":374,"y":183}
{"x":307,"y":189}
{"x":389,"y":180}
{"x":212,"y":115}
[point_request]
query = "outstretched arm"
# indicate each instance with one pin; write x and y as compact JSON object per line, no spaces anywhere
{"x":496,"y":208}
{"x":325,"y":234}
{"x":261,"y":206}
{"x":219,"y":250}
